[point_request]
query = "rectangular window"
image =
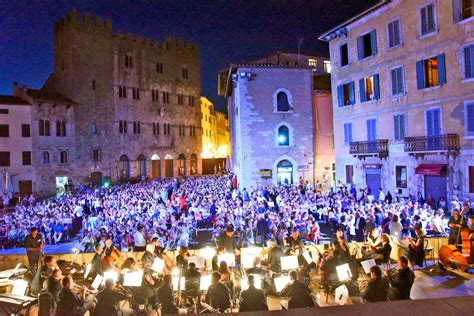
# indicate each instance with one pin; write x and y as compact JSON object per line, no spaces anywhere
{"x":122,"y":92}
{"x":394,"y":33}
{"x":95,"y":155}
{"x":4,"y":159}
{"x":346,"y":94}
{"x":180,"y":99}
{"x":367,"y":45}
{"x":433,"y":122}
{"x":94,"y":128}
{"x":185,"y":73}
{"x":399,"y":121}
{"x":398,"y":85}
{"x":371,"y":130}
{"x":25,"y":130}
{"x":471,"y":179}
{"x":166,"y":97}
{"x":327,"y":66}
{"x":369,"y":88}
{"x":462,"y":9}
{"x":431,"y":72}
{"x":349,"y":173}
{"x":344,"y":53}
{"x":347,"y":133}
{"x":401,"y":176}
{"x":26,"y":157}
{"x":3,"y":111}
{"x":47,"y":128}
{"x":469,"y":119}
{"x":4,"y":130}
{"x":427,"y":19}
{"x":93,"y":84}
{"x":58,"y":128}
{"x":159,"y":68}
{"x":469,"y":61}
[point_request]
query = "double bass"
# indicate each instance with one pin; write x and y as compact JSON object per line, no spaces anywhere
{"x":110,"y":262}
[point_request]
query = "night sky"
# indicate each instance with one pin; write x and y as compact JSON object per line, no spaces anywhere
{"x":225,"y":31}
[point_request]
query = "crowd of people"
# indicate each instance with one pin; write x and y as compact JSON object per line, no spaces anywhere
{"x":175,"y":209}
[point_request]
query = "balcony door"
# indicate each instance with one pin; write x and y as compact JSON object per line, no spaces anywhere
{"x":433,"y":128}
{"x":371,"y":135}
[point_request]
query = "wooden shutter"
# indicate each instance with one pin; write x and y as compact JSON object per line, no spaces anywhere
{"x":396,"y":126}
{"x":360,"y":47}
{"x":376,"y":87}
{"x":420,"y":76}
{"x":362,"y":90}
{"x":468,"y":54}
{"x":457,"y":10}
{"x":373,"y":42}
{"x":396,"y":32}
{"x":393,"y":75}
{"x":441,"y":69}
{"x":401,"y":121}
{"x":340,"y":96}
{"x":470,"y":118}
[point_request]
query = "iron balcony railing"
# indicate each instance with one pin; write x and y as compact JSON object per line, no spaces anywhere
{"x":445,"y":142}
{"x":372,"y":147}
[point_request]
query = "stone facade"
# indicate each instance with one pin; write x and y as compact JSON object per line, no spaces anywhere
{"x":138,"y":99}
{"x":261,"y":153}
{"x":417,"y":62}
{"x":215,"y":131}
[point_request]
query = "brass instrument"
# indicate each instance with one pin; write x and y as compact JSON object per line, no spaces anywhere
{"x":77,"y":288}
{"x":210,"y":308}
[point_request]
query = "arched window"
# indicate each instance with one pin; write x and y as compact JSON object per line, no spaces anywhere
{"x":45,"y":157}
{"x":282,"y":102}
{"x":47,"y":128}
{"x":285,"y":172}
{"x":41,"y":128}
{"x":283,"y":136}
{"x":63,"y":157}
{"x":193,"y":164}
{"x":181,"y":165}
{"x":124,"y":167}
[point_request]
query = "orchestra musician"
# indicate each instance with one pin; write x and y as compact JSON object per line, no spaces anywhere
{"x":381,"y":252}
{"x":165,"y":297}
{"x":181,"y":258}
{"x":193,"y":279}
{"x":471,"y":236}
{"x":297,"y":292}
{"x":96,"y":262}
{"x":252,"y":299}
{"x":455,"y":224}
{"x":218,"y":295}
{"x":34,"y":249}
{"x":339,"y":243}
{"x":376,"y":288}
{"x":416,"y":251}
{"x":108,"y":300}
{"x":295,"y":247}
{"x":72,"y":304}
{"x":148,"y":256}
{"x":400,"y":280}
{"x":274,"y":253}
{"x":111,"y":255}
{"x":227,"y":241}
{"x":54,"y":286}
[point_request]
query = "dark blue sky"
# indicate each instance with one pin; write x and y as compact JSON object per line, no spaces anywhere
{"x":226,"y":31}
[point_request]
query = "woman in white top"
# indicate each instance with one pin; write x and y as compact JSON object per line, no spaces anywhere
{"x":395,"y":228}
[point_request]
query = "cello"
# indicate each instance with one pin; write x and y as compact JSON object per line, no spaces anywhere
{"x":450,"y":256}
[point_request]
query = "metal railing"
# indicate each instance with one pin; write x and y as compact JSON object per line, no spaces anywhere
{"x":373,"y":147}
{"x":445,"y":142}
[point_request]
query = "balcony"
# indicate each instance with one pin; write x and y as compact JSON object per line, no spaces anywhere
{"x":437,"y":143}
{"x":377,"y":147}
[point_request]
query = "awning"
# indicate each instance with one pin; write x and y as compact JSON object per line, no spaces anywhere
{"x":430,"y":169}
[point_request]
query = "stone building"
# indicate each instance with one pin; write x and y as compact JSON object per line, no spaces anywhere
{"x":271,"y":120}
{"x":41,"y":142}
{"x":138,"y":100}
{"x":403,"y":98}
{"x":215,"y":131}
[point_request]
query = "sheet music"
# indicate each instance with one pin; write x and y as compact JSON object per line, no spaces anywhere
{"x":227,"y":257}
{"x":97,"y":282}
{"x":289,"y":262}
{"x":343,"y":272}
{"x":182,"y":282}
{"x":198,"y":261}
{"x":133,"y":278}
{"x":367,"y":264}
{"x":206,"y":281}
{"x":281,"y":282}
{"x":307,"y":257}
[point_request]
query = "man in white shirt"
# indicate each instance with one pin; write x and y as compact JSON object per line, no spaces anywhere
{"x":139,"y":239}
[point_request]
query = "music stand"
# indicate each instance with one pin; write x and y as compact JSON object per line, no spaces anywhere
{"x":133,"y":279}
{"x":182,"y":282}
{"x":88,"y":270}
{"x":19,"y":287}
{"x":342,"y":294}
{"x":281,"y":282}
{"x":344,"y":272}
{"x":307,"y":257}
{"x":110,"y":275}
{"x":289,"y":263}
{"x":199,"y":261}
{"x":229,"y":258}
{"x":244,"y":282}
{"x":367,"y":264}
{"x":97,"y":282}
{"x":158,"y":265}
{"x":205,"y":282}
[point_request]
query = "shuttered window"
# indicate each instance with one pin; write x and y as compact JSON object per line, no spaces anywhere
{"x":371,"y":130}
{"x":399,"y":126}
{"x":367,"y":45}
{"x":471,"y":179}
{"x":394,"y":34}
{"x":469,"y":119}
{"x":433,"y":122}
{"x":427,"y":18}
{"x":431,"y":72}
{"x":398,"y":86}
{"x":469,"y":61}
{"x":347,"y":133}
{"x":346,"y":94}
{"x":369,"y":88}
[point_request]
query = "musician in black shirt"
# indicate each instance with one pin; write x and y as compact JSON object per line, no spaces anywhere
{"x":400,"y":281}
{"x":298,"y":294}
{"x":165,"y":296}
{"x":252,"y":299}
{"x":96,"y":262}
{"x":108,"y":300}
{"x":218,"y":295}
{"x":274,"y":255}
{"x":33,"y":244}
